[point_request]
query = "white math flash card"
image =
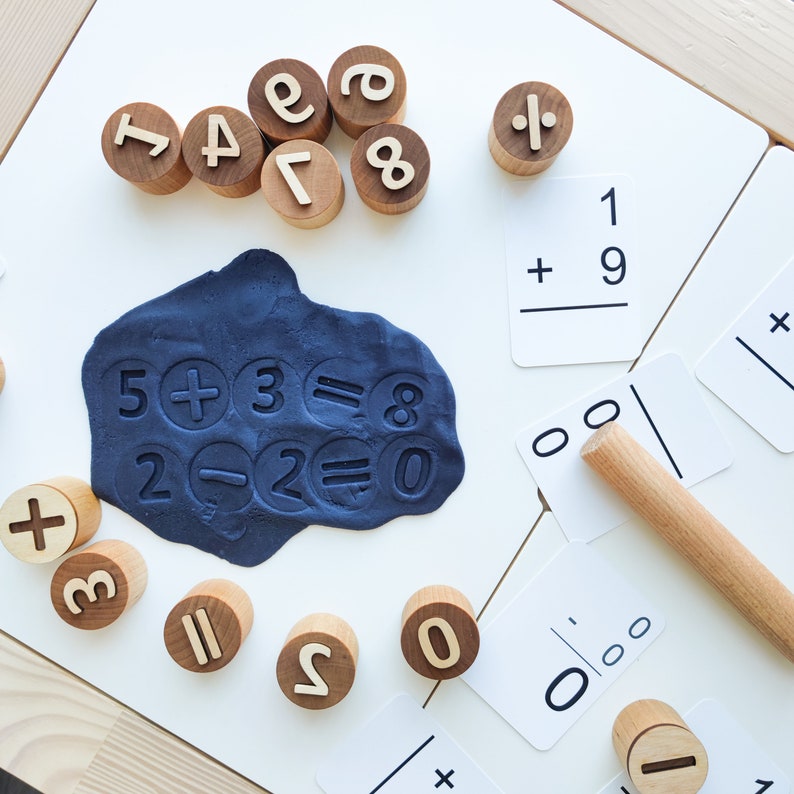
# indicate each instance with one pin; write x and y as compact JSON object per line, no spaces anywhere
{"x":402,"y":750}
{"x":572,"y":270}
{"x":560,"y":643}
{"x":658,"y":403}
{"x":751,"y":367}
{"x":737,"y":765}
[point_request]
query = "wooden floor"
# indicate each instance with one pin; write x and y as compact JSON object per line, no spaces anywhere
{"x":60,"y":735}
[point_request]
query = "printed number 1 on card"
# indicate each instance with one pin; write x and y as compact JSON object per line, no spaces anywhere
{"x":572,"y":270}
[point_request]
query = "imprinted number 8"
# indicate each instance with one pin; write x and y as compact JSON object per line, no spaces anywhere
{"x":394,"y":163}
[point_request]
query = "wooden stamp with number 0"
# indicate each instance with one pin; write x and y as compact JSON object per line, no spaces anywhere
{"x":440,"y":638}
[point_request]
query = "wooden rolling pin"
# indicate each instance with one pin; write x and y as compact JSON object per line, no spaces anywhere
{"x":696,"y":534}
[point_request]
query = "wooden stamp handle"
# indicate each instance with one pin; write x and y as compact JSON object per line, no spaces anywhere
{"x":696,"y":534}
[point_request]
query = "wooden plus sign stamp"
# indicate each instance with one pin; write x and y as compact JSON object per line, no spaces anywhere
{"x":41,"y":522}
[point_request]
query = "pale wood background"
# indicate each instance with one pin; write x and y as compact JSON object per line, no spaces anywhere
{"x":64,"y":737}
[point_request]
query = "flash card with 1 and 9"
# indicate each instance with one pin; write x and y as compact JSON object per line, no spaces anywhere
{"x":402,"y":750}
{"x":751,"y":367}
{"x":658,"y":403}
{"x":572,"y":270}
{"x":560,"y":643}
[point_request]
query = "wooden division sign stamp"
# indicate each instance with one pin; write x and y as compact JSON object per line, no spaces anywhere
{"x":531,"y":124}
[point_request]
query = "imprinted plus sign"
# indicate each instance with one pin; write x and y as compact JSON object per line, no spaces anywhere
{"x":445,"y":778}
{"x":36,"y":524}
{"x":195,"y":395}
{"x":780,"y":322}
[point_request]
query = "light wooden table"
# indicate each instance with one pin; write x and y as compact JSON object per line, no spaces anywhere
{"x":61,"y":735}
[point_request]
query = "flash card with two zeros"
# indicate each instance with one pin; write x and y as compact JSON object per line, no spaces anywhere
{"x":572,"y":270}
{"x":658,"y":403}
{"x":560,"y":643}
{"x":751,"y":367}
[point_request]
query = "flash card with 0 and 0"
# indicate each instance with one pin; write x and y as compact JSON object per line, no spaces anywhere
{"x":572,"y":270}
{"x":402,"y":750}
{"x":751,"y":367}
{"x":658,"y":403}
{"x":560,"y":643}
{"x":737,"y":765}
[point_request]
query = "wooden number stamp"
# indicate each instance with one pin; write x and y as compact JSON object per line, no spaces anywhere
{"x":94,"y":587}
{"x":205,"y":630}
{"x":41,"y":522}
{"x":657,"y":749}
{"x":2,"y":375}
{"x":287,"y":100}
{"x":317,"y":665}
{"x":531,"y":124}
{"x":366,"y":87}
{"x":440,"y":638}
{"x":390,"y":165}
{"x":225,"y":150}
{"x":143,"y":144}
{"x":302,"y":183}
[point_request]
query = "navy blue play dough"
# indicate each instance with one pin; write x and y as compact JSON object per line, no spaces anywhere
{"x":232,"y":412}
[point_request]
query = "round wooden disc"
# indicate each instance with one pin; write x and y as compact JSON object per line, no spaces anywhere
{"x":41,"y":522}
{"x":440,"y":638}
{"x":206,"y":629}
{"x":143,"y":144}
{"x":2,"y":375}
{"x":317,"y":192}
{"x":658,"y":750}
{"x":298,"y":107}
{"x":228,"y":167}
{"x":366,"y":87}
{"x":317,"y":665}
{"x":531,"y":124}
{"x":390,"y":165}
{"x":96,"y":586}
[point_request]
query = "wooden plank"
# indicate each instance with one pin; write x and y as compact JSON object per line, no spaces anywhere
{"x":736,"y":50}
{"x":52,"y":723}
{"x":139,"y":757}
{"x":33,"y":39}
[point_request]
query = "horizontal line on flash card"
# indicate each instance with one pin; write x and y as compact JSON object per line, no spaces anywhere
{"x":765,"y":363}
{"x":570,"y":308}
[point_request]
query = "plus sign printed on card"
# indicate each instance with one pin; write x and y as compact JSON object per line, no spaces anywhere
{"x":572,"y":270}
{"x":751,"y":367}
